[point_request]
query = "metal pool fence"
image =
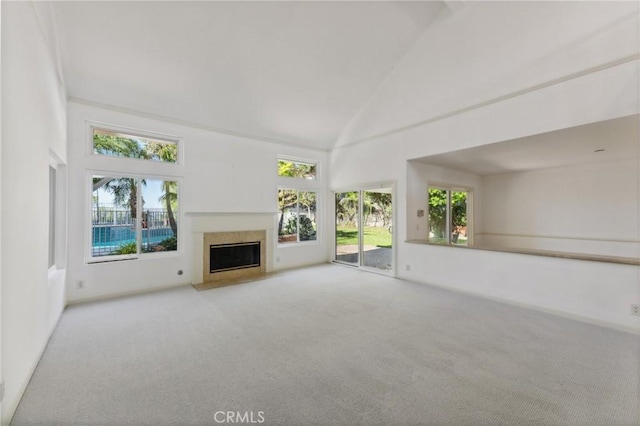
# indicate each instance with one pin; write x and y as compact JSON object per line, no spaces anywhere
{"x":113,"y":229}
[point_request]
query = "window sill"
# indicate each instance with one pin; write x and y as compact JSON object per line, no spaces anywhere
{"x":546,"y":253}
{"x":298,"y":244}
{"x":124,"y":258}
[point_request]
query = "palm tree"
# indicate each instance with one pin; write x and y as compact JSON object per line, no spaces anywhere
{"x":170,"y":198}
{"x":124,"y":190}
{"x":168,"y":153}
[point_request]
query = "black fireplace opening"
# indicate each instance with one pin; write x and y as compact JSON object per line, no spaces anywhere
{"x":228,"y":257}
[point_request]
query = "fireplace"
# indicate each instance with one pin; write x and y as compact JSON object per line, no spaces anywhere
{"x":233,"y":256}
{"x":236,"y":255}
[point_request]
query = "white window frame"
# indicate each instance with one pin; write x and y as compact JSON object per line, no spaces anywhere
{"x":160,"y":137}
{"x":109,"y":258}
{"x":300,"y":160}
{"x":452,"y":188}
{"x":301,"y":185}
{"x":105,"y":165}
{"x":317,"y":215}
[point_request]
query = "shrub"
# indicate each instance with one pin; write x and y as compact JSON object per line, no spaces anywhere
{"x":307,"y":232}
{"x":127,"y":248}
{"x":169,"y":244}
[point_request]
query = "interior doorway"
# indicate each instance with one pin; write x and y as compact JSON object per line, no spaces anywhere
{"x":364,"y":228}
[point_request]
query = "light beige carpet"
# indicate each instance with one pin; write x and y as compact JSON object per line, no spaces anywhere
{"x":329,"y":345}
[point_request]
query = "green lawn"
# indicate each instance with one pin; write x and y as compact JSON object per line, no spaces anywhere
{"x":373,"y":236}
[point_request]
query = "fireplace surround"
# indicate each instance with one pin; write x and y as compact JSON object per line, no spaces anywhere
{"x":233,"y":255}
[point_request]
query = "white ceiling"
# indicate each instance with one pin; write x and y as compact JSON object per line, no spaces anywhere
{"x":295,"y":72}
{"x":567,"y":147}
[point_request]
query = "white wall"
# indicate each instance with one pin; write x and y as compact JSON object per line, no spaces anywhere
{"x":584,"y":209}
{"x":487,"y":50}
{"x":1,"y":378}
{"x":34,"y":126}
{"x":514,"y":50}
{"x":596,"y":292}
{"x":220,"y":174}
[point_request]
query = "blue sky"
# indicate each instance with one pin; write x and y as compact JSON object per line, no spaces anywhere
{"x":151,"y":193}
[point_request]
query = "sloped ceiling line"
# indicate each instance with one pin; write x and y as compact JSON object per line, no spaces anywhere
{"x":190,"y":124}
{"x":521,"y":92}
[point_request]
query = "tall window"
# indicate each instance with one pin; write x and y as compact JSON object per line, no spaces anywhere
{"x":297,"y":215}
{"x":448,"y":216}
{"x":297,"y":201}
{"x":133,"y":214}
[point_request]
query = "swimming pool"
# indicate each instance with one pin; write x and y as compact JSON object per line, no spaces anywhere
{"x":108,"y":238}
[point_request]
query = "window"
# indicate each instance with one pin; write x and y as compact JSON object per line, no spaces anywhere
{"x":297,"y":200}
{"x":448,"y":216}
{"x":52,"y":215}
{"x":117,"y":144}
{"x":297,"y":215}
{"x":133,"y":215}
{"x":297,"y":169}
{"x":134,"y":211}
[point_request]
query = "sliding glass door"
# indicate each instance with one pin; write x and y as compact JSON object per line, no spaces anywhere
{"x":377,"y":226}
{"x":348,"y":227}
{"x":364,"y":228}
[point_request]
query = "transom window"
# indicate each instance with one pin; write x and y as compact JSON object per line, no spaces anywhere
{"x":117,"y":144}
{"x":297,"y":169}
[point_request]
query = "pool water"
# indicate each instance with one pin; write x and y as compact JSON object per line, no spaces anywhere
{"x":118,"y":235}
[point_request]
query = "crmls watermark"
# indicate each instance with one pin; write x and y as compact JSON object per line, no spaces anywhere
{"x":239,"y":417}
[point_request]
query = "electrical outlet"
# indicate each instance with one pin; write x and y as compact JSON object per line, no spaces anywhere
{"x":1,"y":390}
{"x":635,"y":310}
{"x":408,"y":267}
{"x":278,"y":259}
{"x":80,"y":285}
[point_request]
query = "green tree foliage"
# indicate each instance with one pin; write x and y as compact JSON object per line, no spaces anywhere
{"x":127,"y":248}
{"x":307,"y":231}
{"x":125,"y":190}
{"x":118,"y":146}
{"x":167,"y":152}
{"x":438,"y":210}
{"x":287,"y":199}
{"x":296,"y":170}
{"x":170,"y":200}
{"x":376,"y":204}
{"x":459,"y":208}
{"x":302,"y":202}
{"x":381,"y":206}
{"x":347,"y":208}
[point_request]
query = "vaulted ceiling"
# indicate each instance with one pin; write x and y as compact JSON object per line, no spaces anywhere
{"x":295,"y":72}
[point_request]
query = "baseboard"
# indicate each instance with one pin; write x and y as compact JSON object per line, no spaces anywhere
{"x":125,"y":294}
{"x":563,"y":314}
